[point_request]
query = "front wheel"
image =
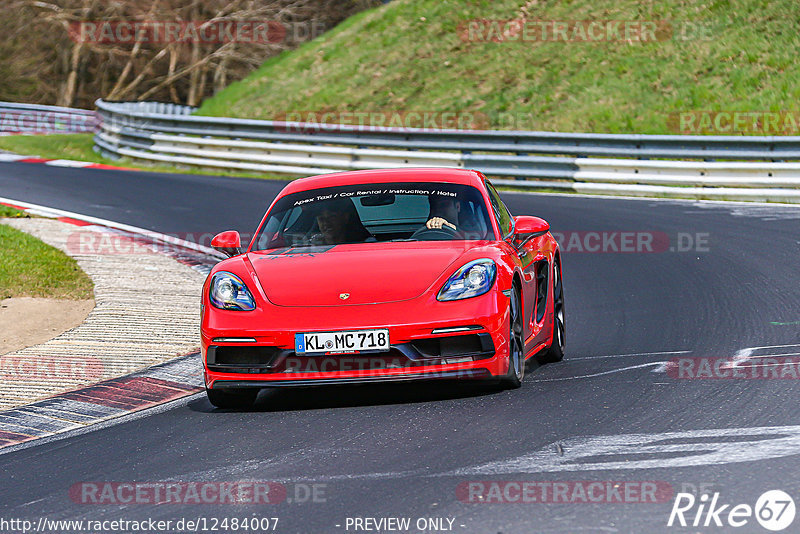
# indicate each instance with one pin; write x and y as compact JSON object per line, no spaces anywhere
{"x":516,"y":356}
{"x":240,"y":398}
{"x":556,"y":351}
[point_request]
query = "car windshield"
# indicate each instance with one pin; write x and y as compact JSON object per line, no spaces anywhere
{"x":376,"y":213}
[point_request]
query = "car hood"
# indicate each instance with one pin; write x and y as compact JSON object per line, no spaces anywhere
{"x":368,"y":273}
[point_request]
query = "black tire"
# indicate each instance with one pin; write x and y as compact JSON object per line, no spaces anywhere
{"x":516,"y":358}
{"x":555,"y":353}
{"x":235,"y":399}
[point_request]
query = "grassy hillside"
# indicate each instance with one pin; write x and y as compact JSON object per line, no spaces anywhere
{"x":411,"y":55}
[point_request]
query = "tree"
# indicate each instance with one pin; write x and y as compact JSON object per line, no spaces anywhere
{"x":71,"y":52}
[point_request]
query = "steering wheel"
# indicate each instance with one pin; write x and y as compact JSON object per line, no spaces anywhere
{"x":445,"y":233}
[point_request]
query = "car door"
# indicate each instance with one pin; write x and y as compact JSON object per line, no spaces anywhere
{"x":527,"y":254}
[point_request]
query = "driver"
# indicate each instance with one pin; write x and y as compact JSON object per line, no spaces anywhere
{"x":444,"y":212}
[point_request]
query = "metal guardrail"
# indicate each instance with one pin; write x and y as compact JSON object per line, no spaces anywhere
{"x":582,"y":145}
{"x":171,"y":133}
{"x":35,"y":118}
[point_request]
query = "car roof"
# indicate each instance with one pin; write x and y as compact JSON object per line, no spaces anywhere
{"x":427,"y":174}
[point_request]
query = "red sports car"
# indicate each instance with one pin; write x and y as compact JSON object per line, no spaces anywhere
{"x":377,"y":276}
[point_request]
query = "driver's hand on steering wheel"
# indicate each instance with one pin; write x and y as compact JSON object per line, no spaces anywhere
{"x":438,"y":222}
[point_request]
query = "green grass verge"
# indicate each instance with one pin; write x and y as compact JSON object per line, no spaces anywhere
{"x":6,"y":211}
{"x":79,"y":147}
{"x":737,"y":55}
{"x":31,"y":268}
{"x":57,"y":146}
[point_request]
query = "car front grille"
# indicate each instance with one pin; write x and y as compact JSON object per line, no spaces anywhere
{"x":454,"y":346}
{"x":241,"y":358}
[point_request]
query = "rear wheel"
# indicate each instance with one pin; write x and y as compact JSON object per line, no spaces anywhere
{"x":556,"y":351}
{"x":516,"y":356}
{"x":232,"y":398}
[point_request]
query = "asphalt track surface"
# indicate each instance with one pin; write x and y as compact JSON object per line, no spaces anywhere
{"x":403,"y":450}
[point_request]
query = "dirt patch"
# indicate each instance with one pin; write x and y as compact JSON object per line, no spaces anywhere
{"x":27,"y":321}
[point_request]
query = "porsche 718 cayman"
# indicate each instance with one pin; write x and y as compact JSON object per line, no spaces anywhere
{"x":383,"y":275}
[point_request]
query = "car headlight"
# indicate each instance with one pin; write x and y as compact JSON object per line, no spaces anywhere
{"x":228,"y":292}
{"x":473,"y":279}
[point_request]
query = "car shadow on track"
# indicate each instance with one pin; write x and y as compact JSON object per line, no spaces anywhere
{"x":294,"y":399}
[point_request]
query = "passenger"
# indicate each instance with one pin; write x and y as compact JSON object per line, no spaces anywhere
{"x":339,"y":223}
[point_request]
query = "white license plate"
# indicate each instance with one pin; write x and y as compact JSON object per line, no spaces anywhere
{"x":347,"y":341}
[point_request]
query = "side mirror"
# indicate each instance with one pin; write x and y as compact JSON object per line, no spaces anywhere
{"x":527,"y":227}
{"x":229,"y":243}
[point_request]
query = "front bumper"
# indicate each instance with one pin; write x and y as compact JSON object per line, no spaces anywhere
{"x":426,"y":348}
{"x":452,"y":375}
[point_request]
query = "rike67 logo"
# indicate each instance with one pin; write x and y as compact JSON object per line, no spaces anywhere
{"x":774,"y":510}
